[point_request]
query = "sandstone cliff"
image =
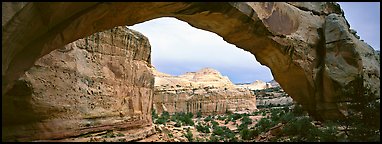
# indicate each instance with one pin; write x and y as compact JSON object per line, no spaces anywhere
{"x":206,"y":91}
{"x":100,"y":82}
{"x":256,"y":85}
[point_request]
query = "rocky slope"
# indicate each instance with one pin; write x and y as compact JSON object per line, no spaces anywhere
{"x":274,"y":96}
{"x":206,"y":91}
{"x":100,"y":82}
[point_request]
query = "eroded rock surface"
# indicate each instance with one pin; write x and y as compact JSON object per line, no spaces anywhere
{"x":101,"y":82}
{"x":206,"y":91}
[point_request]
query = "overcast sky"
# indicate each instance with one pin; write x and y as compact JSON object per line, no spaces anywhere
{"x":178,"y":48}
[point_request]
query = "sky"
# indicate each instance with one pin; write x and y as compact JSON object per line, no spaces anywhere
{"x":177,"y":47}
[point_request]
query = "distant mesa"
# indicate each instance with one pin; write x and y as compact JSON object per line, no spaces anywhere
{"x":259,"y":85}
{"x":206,"y":77}
{"x":206,"y":91}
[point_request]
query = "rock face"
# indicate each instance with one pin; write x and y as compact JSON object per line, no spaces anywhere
{"x":206,"y":91}
{"x":274,"y":96}
{"x":309,"y":47}
{"x":97,"y":83}
{"x":256,"y":85}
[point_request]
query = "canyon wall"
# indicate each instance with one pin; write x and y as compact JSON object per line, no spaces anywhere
{"x":206,"y":91}
{"x":100,"y":82}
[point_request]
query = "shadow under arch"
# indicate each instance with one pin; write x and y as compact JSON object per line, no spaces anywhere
{"x":39,"y":28}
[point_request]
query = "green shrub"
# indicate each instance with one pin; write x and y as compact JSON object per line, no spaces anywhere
{"x":246,"y":120}
{"x":287,"y":117}
{"x":183,"y":118}
{"x":213,"y":138}
{"x":221,"y":118}
{"x":218,"y":130}
{"x":228,"y":112}
{"x":264,"y":125}
{"x":165,"y":115}
{"x":170,"y":135}
{"x":199,"y":114}
{"x":248,"y":134}
{"x":160,"y":121}
{"x":189,"y":135}
{"x":302,"y":128}
{"x":163,"y":118}
{"x":328,"y":132}
{"x":154,"y":115}
{"x":203,"y":129}
{"x":207,"y":119}
{"x":178,"y":124}
{"x":236,"y":117}
{"x":298,"y":110}
{"x":190,"y":115}
{"x":214,"y":123}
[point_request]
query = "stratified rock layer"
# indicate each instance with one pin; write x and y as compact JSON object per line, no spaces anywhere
{"x":206,"y":91}
{"x":97,"y":83}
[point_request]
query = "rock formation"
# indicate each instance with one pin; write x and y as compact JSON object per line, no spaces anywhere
{"x":309,"y":47}
{"x":274,"y":96}
{"x":101,"y":82}
{"x":206,"y":91}
{"x":256,"y":85}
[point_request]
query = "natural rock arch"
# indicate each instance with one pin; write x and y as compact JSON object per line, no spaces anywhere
{"x":295,"y":40}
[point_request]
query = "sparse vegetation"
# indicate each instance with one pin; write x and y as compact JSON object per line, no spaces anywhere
{"x":287,"y":123}
{"x":189,"y":135}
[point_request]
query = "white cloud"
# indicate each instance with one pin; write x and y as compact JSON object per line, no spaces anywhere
{"x":177,"y":44}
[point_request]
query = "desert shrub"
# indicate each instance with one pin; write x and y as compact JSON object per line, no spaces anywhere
{"x":302,"y":129}
{"x":228,"y":135}
{"x":203,"y":129}
{"x":165,"y":115}
{"x":218,"y":131}
{"x":264,"y":125}
{"x":178,"y":124}
{"x":160,"y":121}
{"x":236,"y":117}
{"x":226,"y":121}
{"x":328,"y":132}
{"x":190,"y":115}
{"x":214,"y":123}
{"x":189,"y":135}
{"x":213,"y":138}
{"x":163,"y":118}
{"x":154,"y":114}
{"x":182,"y":118}
{"x":207,"y":119}
{"x":246,"y":120}
{"x":248,"y":134}
{"x":224,"y":134}
{"x":199,"y":114}
{"x":287,"y":117}
{"x":221,"y":118}
{"x":298,"y":110}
